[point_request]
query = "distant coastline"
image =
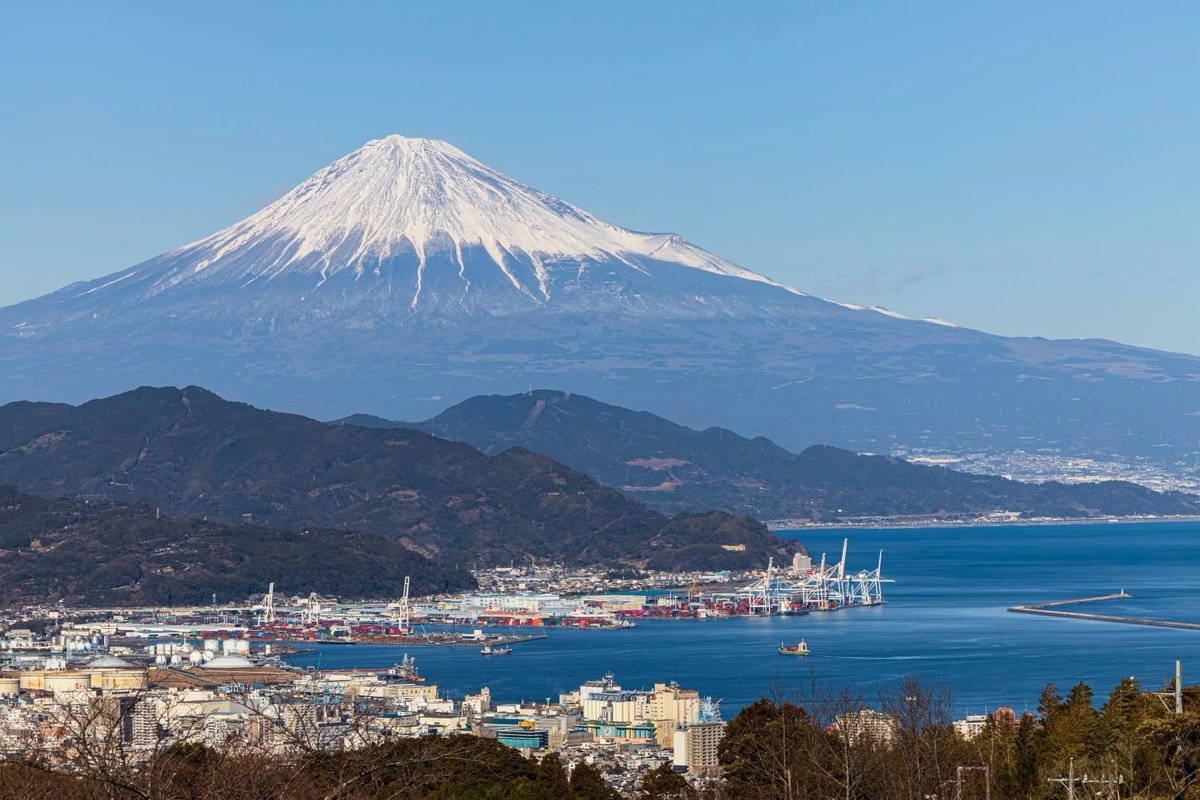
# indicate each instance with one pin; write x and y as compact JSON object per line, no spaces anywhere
{"x":904,"y":522}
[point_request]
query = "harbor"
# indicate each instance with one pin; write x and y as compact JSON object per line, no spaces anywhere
{"x":521,"y":605}
{"x":944,"y":619}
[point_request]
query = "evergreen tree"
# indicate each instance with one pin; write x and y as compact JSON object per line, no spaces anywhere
{"x":588,"y":784}
{"x":551,"y":778}
{"x":663,"y":783}
{"x":1050,"y":702}
{"x":1026,"y":779}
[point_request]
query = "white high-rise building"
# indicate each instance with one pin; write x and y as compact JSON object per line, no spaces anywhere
{"x":696,"y":746}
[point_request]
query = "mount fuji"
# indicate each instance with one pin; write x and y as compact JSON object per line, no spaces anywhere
{"x":407,"y":276}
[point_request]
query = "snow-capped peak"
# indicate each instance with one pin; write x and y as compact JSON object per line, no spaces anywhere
{"x":403,"y":196}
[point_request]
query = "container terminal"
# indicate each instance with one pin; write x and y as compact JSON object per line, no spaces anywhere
{"x":463,"y":620}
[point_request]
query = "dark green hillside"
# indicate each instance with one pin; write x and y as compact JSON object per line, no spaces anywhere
{"x":99,"y":553}
{"x":194,"y":454}
{"x":674,"y":468}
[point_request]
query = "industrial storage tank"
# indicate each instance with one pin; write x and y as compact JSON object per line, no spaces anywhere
{"x":119,"y":679}
{"x":9,"y":687}
{"x":212,"y":644}
{"x":65,"y":682}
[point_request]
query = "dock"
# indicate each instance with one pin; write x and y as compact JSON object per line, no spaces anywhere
{"x":1048,"y":609}
{"x":444,"y":640}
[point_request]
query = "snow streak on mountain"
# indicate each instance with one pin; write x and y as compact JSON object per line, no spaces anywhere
{"x":407,"y":276}
{"x":416,"y":223}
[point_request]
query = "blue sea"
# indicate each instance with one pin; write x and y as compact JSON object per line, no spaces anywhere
{"x":945,"y":620}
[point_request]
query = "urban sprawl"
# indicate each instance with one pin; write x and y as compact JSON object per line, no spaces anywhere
{"x":141,"y":680}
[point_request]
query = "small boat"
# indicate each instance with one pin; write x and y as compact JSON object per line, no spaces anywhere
{"x":488,"y":650}
{"x":800,"y":649}
{"x":404,"y":672}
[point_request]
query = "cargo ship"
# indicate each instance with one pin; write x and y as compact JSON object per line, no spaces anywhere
{"x":404,"y":672}
{"x":800,"y":649}
{"x":488,"y":650}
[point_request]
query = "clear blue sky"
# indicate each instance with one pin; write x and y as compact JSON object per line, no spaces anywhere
{"x":1022,"y":167}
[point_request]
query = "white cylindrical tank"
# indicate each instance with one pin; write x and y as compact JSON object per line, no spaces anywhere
{"x":9,"y":687}
{"x":241,"y":646}
{"x":212,"y":644}
{"x":228,"y":645}
{"x":66,"y":682}
{"x":175,"y":659}
{"x":160,"y":659}
{"x":195,"y":657}
{"x":209,"y":655}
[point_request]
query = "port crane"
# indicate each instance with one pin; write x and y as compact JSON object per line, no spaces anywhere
{"x":267,"y":607}
{"x":827,"y":587}
{"x":404,"y":613}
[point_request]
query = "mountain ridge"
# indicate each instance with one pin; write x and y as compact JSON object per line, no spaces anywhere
{"x":422,"y":204}
{"x":670,"y":466}
{"x":408,"y":271}
{"x":194,"y":454}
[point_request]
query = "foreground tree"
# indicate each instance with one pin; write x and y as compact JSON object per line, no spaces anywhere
{"x":663,"y":783}
{"x":588,"y":784}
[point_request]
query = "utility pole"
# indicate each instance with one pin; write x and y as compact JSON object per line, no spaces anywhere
{"x":1176,"y":692}
{"x":1178,"y":687}
{"x":1085,"y":781}
{"x":987,"y":780}
{"x":1068,"y":781}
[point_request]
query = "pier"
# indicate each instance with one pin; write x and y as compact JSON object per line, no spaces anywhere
{"x":441,"y":639}
{"x":1049,"y":609}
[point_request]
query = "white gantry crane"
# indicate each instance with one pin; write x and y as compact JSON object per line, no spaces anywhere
{"x":405,"y":621}
{"x":827,"y":587}
{"x":267,"y":608}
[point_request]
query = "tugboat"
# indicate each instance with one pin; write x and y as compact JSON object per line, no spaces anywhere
{"x":800,"y":649}
{"x":488,"y":650}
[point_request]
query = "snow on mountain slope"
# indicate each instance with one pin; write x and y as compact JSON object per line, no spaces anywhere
{"x":403,"y":200}
{"x":408,"y":270}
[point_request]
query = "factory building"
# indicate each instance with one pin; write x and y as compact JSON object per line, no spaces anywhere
{"x":610,"y":712}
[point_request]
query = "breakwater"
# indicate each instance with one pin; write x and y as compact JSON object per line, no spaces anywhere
{"x":1050,"y":609}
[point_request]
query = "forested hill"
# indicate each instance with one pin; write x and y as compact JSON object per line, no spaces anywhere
{"x":195,"y":454}
{"x":672,"y":467}
{"x":100,"y":553}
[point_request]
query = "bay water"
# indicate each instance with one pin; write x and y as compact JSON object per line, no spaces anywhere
{"x":944,"y":620}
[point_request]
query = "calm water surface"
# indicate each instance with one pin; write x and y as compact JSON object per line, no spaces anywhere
{"x":944,"y":620}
